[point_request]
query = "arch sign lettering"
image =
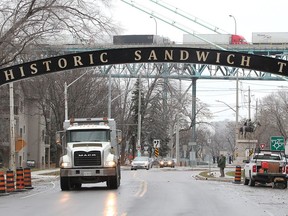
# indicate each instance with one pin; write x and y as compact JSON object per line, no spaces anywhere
{"x":142,"y":55}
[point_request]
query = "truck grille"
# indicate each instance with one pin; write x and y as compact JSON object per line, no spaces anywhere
{"x":91,"y":158}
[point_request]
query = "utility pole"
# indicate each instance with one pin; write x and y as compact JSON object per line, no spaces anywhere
{"x":109,"y":96}
{"x":237,"y":109}
{"x":177,"y":126}
{"x":249,"y":103}
{"x":12,"y":129}
{"x":139,"y":116}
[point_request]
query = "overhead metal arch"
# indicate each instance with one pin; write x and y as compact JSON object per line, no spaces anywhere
{"x":199,"y":63}
{"x":167,"y":62}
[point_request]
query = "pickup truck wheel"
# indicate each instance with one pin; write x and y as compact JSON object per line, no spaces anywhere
{"x":251,"y":182}
{"x":77,"y":185}
{"x":65,"y":183}
{"x":246,"y":181}
{"x":279,"y":185}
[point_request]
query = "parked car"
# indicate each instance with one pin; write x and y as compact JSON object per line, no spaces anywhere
{"x":141,"y":162}
{"x":167,"y":162}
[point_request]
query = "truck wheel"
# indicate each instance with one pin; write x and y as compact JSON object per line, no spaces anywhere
{"x":251,"y":182}
{"x":113,"y":182}
{"x":246,"y":181}
{"x":65,"y":183}
{"x":77,"y":185}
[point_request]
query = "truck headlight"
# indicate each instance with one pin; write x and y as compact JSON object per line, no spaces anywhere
{"x":65,"y":162}
{"x":65,"y":165}
{"x":110,"y":164}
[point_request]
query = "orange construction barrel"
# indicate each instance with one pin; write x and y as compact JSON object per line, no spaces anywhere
{"x":2,"y":184}
{"x":27,"y":178}
{"x":10,"y":184}
{"x":19,"y":179}
{"x":237,"y":176}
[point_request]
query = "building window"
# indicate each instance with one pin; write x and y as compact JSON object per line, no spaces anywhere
{"x":43,"y":135}
{"x":16,"y":110}
{"x":21,"y":132}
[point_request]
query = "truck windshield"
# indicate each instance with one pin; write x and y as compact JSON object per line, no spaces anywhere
{"x":89,"y":136}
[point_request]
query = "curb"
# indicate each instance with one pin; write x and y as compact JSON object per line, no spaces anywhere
{"x":198,"y":177}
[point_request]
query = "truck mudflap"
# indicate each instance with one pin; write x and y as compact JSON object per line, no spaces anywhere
{"x":81,"y":172}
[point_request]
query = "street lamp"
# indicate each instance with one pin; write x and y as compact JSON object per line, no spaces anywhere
{"x":237,"y":86}
{"x":226,"y":105}
{"x":234,"y":22}
{"x":111,"y":100}
{"x":66,"y":96}
{"x":236,"y":112}
{"x":155,"y":23}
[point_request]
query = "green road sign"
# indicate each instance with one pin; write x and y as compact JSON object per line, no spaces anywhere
{"x":277,"y":143}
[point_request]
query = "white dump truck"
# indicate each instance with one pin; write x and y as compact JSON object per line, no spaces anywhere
{"x":91,"y":153}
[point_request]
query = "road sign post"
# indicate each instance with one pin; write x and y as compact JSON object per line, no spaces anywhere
{"x":156,"y":152}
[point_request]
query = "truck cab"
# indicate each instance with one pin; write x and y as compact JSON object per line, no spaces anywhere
{"x":238,"y":39}
{"x":91,"y":153}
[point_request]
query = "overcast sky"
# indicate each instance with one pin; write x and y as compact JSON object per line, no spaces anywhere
{"x":251,"y":16}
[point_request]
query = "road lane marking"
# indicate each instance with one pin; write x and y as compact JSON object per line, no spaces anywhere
{"x":142,"y":189}
{"x":35,"y":194}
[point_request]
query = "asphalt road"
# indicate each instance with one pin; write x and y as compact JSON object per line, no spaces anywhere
{"x":147,"y":192}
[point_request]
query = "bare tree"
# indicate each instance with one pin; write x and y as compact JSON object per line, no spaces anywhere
{"x":26,"y":22}
{"x":273,"y":116}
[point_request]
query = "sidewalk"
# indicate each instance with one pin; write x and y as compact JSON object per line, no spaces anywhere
{"x":44,"y":174}
{"x":214,"y":175}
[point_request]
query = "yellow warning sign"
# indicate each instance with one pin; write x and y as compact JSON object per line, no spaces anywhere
{"x":156,"y":152}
